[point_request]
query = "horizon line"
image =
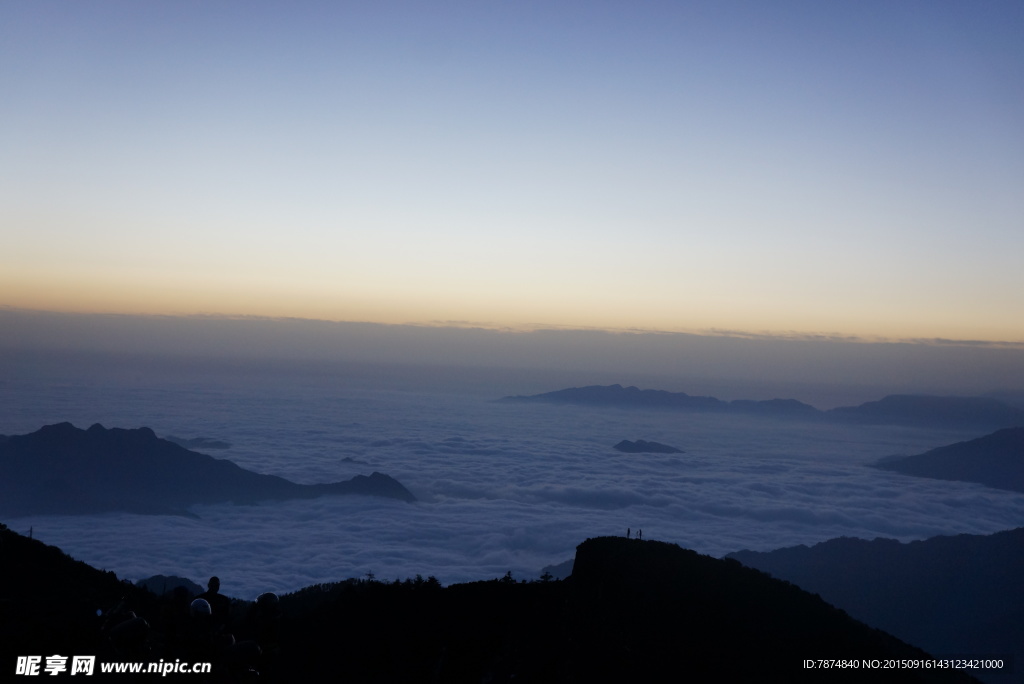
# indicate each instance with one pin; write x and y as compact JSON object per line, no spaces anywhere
{"x":490,"y":326}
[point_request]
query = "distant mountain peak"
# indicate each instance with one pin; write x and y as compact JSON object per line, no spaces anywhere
{"x":894,"y":409}
{"x":61,"y":469}
{"x":942,"y":411}
{"x":995,"y":460}
{"x":634,"y":397}
{"x":641,"y":446}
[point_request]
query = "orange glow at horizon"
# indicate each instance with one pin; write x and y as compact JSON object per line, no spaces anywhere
{"x":621,"y":170}
{"x":517,"y":311}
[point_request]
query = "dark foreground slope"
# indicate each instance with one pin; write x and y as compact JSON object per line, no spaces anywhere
{"x":61,"y":469}
{"x":51,"y":603}
{"x":996,"y":460}
{"x":950,"y":595}
{"x":632,"y":611}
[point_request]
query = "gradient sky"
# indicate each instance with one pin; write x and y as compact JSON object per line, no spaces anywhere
{"x":851,"y":168}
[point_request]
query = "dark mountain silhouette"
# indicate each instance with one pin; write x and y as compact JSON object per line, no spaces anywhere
{"x":680,"y":612}
{"x":632,"y":397}
{"x":163,"y":584}
{"x":199,"y":442}
{"x":51,"y":603}
{"x":643,"y":447}
{"x":905,"y":409}
{"x":61,"y":469}
{"x":559,"y":570}
{"x":773,"y":407}
{"x":950,"y":595}
{"x":631,"y":611}
{"x":996,"y":460}
{"x":617,"y":395}
{"x":923,"y":410}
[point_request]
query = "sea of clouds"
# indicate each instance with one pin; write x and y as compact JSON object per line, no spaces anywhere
{"x":501,"y":487}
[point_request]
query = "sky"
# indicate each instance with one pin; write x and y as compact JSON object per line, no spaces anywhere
{"x":789,"y":167}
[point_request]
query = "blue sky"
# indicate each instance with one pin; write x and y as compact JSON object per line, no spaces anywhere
{"x":848,"y":168}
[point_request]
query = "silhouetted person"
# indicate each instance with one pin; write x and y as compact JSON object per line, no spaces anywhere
{"x":128,"y":633}
{"x":174,"y":616}
{"x":219,"y":604}
{"x":206,"y":641}
{"x":265,"y":622}
{"x":200,"y":635}
{"x":265,"y":617}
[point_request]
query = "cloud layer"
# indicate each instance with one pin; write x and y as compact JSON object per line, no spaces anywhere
{"x":501,"y":487}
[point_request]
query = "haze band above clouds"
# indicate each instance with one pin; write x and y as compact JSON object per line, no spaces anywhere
{"x":821,"y":370}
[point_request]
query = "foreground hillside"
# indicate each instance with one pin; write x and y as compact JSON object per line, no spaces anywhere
{"x":959,"y":594}
{"x":632,"y":611}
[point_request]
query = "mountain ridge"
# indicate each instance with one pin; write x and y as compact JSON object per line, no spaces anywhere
{"x":61,"y":469}
{"x":949,"y":594}
{"x":994,"y":460}
{"x":894,"y":409}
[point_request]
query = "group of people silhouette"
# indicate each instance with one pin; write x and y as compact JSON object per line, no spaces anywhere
{"x":203,"y":629}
